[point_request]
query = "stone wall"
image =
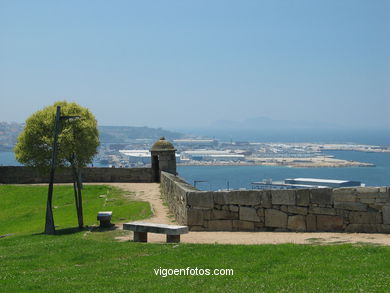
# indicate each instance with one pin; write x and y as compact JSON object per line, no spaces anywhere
{"x":174,"y":191}
{"x":362,"y":209}
{"x":26,"y":175}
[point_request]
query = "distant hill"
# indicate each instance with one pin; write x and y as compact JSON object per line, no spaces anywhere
{"x":268,"y":123}
{"x":8,"y":134}
{"x":115,"y":134}
{"x":119,"y":134}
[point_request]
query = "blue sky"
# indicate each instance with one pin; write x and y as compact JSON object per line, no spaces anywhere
{"x":190,"y":63}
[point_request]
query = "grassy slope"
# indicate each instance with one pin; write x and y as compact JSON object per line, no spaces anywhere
{"x":23,"y":207}
{"x":88,"y":262}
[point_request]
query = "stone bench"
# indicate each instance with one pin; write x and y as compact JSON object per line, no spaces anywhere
{"x":105,"y":219}
{"x":141,"y":230}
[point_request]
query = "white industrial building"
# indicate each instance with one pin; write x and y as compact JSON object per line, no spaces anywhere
{"x":195,"y":142}
{"x":140,"y":156}
{"x":137,"y":156}
{"x":211,"y":155}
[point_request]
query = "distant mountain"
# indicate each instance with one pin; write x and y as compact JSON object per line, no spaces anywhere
{"x":256,"y":123}
{"x":116,"y":134}
{"x":8,"y":135}
{"x":120,"y":134}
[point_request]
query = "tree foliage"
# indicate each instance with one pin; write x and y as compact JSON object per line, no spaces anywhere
{"x":78,"y":138}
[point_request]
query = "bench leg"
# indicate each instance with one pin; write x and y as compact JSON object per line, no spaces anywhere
{"x":140,"y":237}
{"x":173,"y":238}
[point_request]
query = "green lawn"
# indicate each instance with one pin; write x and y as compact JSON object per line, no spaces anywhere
{"x":93,"y":261}
{"x":23,"y":207}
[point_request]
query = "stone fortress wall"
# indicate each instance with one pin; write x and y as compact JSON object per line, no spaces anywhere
{"x":163,"y":159}
{"x":26,"y":175}
{"x":362,"y":209}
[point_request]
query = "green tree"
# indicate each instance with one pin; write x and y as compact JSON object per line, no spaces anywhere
{"x":78,"y":140}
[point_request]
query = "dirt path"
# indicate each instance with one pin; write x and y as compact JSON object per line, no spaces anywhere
{"x":150,"y":192}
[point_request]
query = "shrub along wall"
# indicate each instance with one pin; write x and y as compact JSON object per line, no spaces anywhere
{"x":26,"y":175}
{"x":362,"y":209}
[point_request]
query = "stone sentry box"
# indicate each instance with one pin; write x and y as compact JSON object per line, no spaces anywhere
{"x":362,"y":209}
{"x":163,"y":158}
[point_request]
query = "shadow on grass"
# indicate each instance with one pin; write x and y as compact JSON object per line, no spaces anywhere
{"x":66,"y":231}
{"x":74,"y":230}
{"x":103,"y":229}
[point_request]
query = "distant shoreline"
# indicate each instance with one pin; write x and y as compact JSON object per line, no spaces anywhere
{"x":355,"y":164}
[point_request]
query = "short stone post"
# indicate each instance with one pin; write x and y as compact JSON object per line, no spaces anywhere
{"x":105,"y":219}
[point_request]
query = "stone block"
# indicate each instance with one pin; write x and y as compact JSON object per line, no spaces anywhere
{"x":275,"y":218}
{"x":330,"y":223}
{"x":344,"y":191}
{"x":344,"y":197}
{"x":365,"y":218}
{"x":321,"y":196}
{"x":367,"y":190}
{"x":220,"y":197}
{"x":260,"y":212}
{"x":283,"y":197}
{"x":220,"y":225}
{"x":375,"y":207}
{"x":382,"y":201}
{"x":196,"y":228}
{"x":259,"y":226}
{"x":233,"y":208}
{"x":283,"y":208}
{"x":297,"y":223}
{"x":244,"y":225}
{"x":384,"y":229}
{"x":249,"y":214}
{"x":367,"y":200}
{"x":382,"y":197}
{"x":297,"y":210}
{"x":352,"y":206}
{"x":223,"y":215}
{"x":362,"y":228}
{"x":195,"y":216}
{"x":386,"y":215}
{"x":342,"y":212}
{"x":302,"y":197}
{"x":311,"y":223}
{"x":322,"y":211}
{"x":266,"y":200}
{"x":238,"y":197}
{"x":200,"y":199}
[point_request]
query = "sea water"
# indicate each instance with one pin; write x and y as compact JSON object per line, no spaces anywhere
{"x":236,"y":177}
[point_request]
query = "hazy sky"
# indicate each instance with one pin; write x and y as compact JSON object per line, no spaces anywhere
{"x":189,"y":63}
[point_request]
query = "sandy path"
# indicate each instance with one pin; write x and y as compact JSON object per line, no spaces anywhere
{"x":150,"y":192}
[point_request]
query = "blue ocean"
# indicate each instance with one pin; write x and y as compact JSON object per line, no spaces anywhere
{"x":235,"y":177}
